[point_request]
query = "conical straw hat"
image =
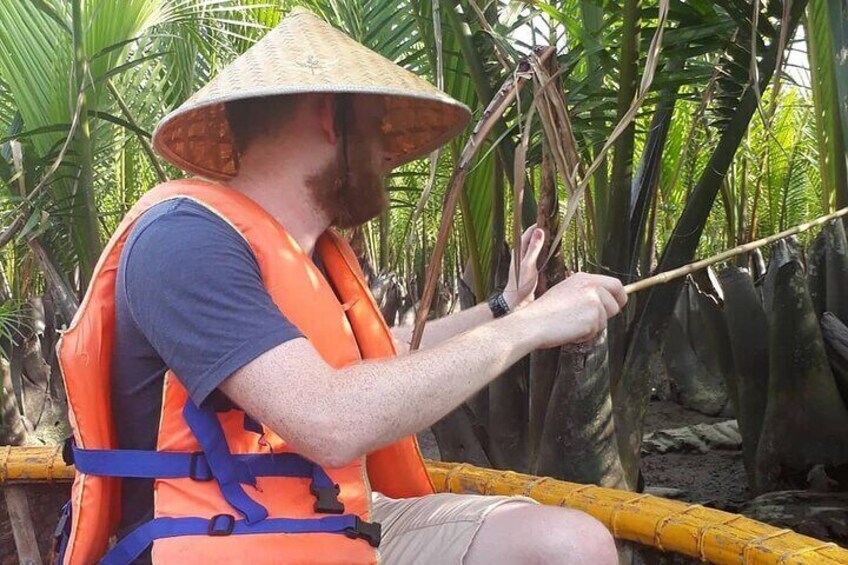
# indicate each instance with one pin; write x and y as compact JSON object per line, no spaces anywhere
{"x":304,"y":54}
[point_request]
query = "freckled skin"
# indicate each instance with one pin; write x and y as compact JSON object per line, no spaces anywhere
{"x":333,"y":416}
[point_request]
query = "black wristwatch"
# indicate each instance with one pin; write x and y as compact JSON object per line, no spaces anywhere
{"x":498,"y":305}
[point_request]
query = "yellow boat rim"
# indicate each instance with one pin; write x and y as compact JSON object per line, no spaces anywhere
{"x":704,"y":533}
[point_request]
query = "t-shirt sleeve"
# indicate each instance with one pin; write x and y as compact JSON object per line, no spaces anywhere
{"x":194,"y":290}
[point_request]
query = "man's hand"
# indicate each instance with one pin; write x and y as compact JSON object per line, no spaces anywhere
{"x":521,"y":294}
{"x":516,"y":296}
{"x":575,"y":310}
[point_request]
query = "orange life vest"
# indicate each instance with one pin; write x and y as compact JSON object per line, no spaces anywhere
{"x":228,"y":489}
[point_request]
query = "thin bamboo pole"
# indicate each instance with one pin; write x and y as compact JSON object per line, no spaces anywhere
{"x":667,"y":276}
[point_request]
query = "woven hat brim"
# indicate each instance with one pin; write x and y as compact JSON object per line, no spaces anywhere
{"x":197,"y":139}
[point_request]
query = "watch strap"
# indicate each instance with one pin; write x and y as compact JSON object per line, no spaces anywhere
{"x":498,"y":305}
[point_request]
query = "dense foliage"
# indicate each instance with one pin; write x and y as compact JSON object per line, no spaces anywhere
{"x":692,"y":125}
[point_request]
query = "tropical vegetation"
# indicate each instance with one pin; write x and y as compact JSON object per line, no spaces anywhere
{"x":655,"y":132}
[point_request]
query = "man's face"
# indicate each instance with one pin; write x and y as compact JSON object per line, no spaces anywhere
{"x":351,"y":187}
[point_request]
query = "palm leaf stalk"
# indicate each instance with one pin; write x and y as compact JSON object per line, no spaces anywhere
{"x":829,"y":136}
{"x":161,"y":175}
{"x":10,"y":232}
{"x":502,"y":57}
{"x":614,"y":251}
{"x":647,"y":178}
{"x":556,"y":123}
{"x":434,"y":156}
{"x":697,"y":122}
{"x":561,"y":145}
{"x":651,"y":62}
{"x":592,"y":25}
{"x":498,"y":105}
{"x":482,"y":84}
{"x":838,"y":19}
{"x":88,"y":233}
{"x":479,"y":224}
{"x":550,"y":100}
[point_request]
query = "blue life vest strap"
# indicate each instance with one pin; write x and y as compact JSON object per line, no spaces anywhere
{"x":133,"y":544}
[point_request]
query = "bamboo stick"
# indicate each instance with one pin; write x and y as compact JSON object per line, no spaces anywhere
{"x":667,"y":276}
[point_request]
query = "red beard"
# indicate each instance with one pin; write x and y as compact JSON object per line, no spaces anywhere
{"x":350,"y":197}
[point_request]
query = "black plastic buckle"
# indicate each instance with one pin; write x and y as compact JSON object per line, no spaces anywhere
{"x":195,"y":466}
{"x":228,"y":526}
{"x":371,"y":532}
{"x":327,"y":500}
{"x":68,"y":450}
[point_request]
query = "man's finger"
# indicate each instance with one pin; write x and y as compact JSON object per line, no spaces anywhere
{"x":609,"y":301}
{"x":526,"y":237}
{"x":615,"y":288}
{"x":534,"y":248}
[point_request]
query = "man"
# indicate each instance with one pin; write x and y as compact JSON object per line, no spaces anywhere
{"x":193,"y":295}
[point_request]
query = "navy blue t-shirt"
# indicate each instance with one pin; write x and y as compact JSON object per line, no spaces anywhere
{"x":188,"y":296}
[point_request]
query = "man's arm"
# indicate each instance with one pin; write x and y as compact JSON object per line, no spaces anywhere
{"x":437,"y":331}
{"x":517,"y":294}
{"x":335,"y":415}
{"x":194,"y":290}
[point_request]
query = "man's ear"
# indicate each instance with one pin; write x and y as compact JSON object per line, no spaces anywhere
{"x":326,"y":109}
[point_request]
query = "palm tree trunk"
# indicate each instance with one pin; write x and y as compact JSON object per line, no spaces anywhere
{"x":614,"y":253}
{"x":648,"y":175}
{"x":485,"y":92}
{"x":87,"y":222}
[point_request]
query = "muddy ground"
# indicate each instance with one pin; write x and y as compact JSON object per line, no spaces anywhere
{"x":715,"y":478}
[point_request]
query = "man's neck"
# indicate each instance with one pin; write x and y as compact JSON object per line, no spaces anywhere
{"x":283,"y":194}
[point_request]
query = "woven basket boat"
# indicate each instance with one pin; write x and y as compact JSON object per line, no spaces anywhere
{"x":686,"y":529}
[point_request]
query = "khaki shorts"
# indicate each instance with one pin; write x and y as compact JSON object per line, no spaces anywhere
{"x":433,"y":529}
